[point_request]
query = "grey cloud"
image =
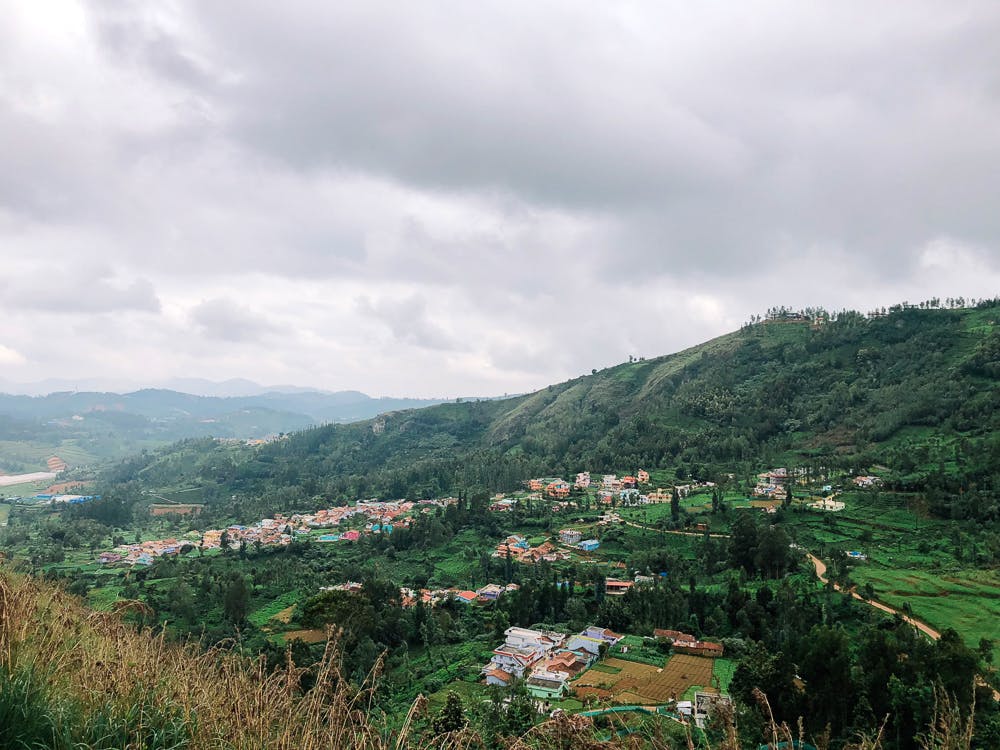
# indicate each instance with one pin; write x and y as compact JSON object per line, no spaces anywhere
{"x":67,"y":292}
{"x":135,"y":34}
{"x":224,"y":320}
{"x":409,"y":322}
{"x":485,"y":180}
{"x":716,"y":141}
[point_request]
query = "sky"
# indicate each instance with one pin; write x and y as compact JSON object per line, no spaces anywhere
{"x":454,"y":198}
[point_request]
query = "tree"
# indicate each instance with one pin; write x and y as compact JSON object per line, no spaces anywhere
{"x":743,"y":544}
{"x":235,"y":600}
{"x":451,"y":718}
{"x":675,"y":505}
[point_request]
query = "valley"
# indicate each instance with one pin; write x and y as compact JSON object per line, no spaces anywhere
{"x":723,"y":519}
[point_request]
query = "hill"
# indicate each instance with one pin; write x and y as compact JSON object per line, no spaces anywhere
{"x":915,"y":391}
{"x":89,"y":426}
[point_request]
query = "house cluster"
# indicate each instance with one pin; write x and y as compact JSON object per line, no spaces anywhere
{"x":627,"y":496}
{"x":520,"y":551}
{"x":615,"y":587}
{"x":553,"y":487}
{"x":144,"y":553}
{"x":828,"y":504}
{"x":867,"y":481}
{"x":772,"y":484}
{"x":381,"y":517}
{"x":558,"y":488}
{"x":545,"y":660}
{"x":685,"y":643}
{"x":491,"y":592}
{"x":575,"y":538}
{"x":67,"y":499}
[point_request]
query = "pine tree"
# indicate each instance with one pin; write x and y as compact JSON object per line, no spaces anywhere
{"x":452,"y":717}
{"x":675,"y":506}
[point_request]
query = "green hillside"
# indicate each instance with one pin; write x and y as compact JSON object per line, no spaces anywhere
{"x":915,"y":391}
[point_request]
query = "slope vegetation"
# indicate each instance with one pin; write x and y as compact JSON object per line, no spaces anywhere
{"x":916,"y":391}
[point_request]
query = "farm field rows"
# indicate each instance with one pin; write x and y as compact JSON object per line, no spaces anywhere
{"x":627,"y":682}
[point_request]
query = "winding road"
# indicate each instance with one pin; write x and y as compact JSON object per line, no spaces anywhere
{"x":820,"y":567}
{"x":923,"y":627}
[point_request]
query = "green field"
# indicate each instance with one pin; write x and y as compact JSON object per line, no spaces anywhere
{"x":261,"y":616}
{"x":4,"y":514}
{"x":722,"y":670}
{"x":966,"y":600}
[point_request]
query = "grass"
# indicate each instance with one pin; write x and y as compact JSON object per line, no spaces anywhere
{"x":4,"y":513}
{"x":71,"y":678}
{"x":722,"y":670}
{"x":262,"y":615}
{"x":104,"y":597}
{"x":966,"y":600}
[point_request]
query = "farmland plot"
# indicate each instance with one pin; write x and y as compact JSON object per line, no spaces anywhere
{"x":628,"y":682}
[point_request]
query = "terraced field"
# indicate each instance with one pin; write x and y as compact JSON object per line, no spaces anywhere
{"x":629,"y":683}
{"x":966,"y":600}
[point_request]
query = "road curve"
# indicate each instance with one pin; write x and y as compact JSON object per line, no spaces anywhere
{"x":923,"y":627}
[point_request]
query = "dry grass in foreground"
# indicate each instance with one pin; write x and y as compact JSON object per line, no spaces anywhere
{"x":72,"y":678}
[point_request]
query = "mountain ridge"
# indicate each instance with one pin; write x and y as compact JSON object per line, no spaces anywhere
{"x":915,"y":390}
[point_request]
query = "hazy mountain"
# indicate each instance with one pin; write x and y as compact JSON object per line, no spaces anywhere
{"x":84,"y":426}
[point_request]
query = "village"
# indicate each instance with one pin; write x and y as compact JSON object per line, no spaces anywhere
{"x":279,"y":530}
{"x":598,"y":665}
{"x":382,"y":517}
{"x":582,"y":530}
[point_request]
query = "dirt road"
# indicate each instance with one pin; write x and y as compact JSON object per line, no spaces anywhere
{"x":923,"y":627}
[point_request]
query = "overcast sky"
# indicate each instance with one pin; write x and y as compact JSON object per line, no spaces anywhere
{"x":443,"y":198}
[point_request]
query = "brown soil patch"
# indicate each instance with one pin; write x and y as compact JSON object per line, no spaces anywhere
{"x":306,"y":636}
{"x":638,"y":683}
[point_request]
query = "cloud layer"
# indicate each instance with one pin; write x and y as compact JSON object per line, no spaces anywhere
{"x":459,"y":199}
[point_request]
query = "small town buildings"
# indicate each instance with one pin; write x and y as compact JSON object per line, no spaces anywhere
{"x":642,"y":476}
{"x":672,"y":635}
{"x":608,"y":636}
{"x":557,"y":489}
{"x":583,"y":480}
{"x":589,"y":545}
{"x":546,"y":685}
{"x":535,"y":639}
{"x":631,"y":496}
{"x":585,"y":645}
{"x":698,"y":648}
{"x":498,"y":677}
{"x":613,"y":587}
{"x":490,"y":592}
{"x":570,"y":536}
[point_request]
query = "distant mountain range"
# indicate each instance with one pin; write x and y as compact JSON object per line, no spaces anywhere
{"x":85,"y":426}
{"x":189,"y":386}
{"x":915,"y":392}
